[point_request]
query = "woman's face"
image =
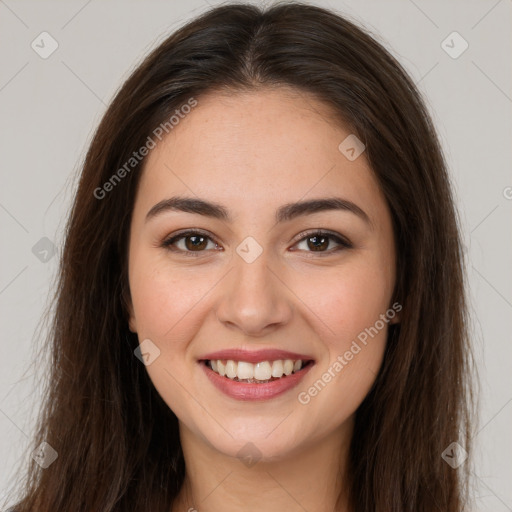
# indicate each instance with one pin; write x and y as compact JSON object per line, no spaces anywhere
{"x":258,"y":278}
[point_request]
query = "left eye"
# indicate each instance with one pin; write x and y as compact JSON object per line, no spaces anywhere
{"x":321,"y":240}
{"x":197,"y":242}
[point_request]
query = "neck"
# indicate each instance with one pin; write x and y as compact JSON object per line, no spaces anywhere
{"x":312,"y":478}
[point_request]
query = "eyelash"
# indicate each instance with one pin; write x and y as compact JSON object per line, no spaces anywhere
{"x":343,"y":243}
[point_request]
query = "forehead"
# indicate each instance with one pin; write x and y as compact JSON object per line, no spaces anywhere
{"x":260,"y":147}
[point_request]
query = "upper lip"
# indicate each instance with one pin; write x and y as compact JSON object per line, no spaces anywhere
{"x":254,"y":356}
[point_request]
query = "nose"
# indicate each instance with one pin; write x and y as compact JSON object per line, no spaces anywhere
{"x":254,"y":298}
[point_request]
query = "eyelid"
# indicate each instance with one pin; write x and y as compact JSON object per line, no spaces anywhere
{"x":323,"y":232}
{"x":189,"y":231}
{"x":170,"y":240}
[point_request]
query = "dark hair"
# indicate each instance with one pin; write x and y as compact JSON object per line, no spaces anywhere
{"x":117,"y":441}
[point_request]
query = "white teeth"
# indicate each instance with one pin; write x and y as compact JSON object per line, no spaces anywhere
{"x":231,"y":367}
{"x":288,"y":367}
{"x":245,"y":370}
{"x":277,"y":369}
{"x":262,"y":371}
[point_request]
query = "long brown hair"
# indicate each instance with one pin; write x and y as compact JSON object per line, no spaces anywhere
{"x":117,"y":441}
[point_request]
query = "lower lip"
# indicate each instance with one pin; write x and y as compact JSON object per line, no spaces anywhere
{"x":252,"y":391}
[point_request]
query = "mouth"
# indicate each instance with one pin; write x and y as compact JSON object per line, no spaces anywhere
{"x":261,"y":372}
{"x":249,"y":381}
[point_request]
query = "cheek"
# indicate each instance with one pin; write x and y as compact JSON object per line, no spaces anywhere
{"x":164,"y":303}
{"x":163,"y":298}
{"x":348,"y":304}
{"x":355,"y":341}
{"x":346,"y":300}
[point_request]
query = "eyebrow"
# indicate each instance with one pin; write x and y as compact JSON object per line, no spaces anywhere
{"x":284,"y":213}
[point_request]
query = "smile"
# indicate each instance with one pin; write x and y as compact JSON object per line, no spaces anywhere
{"x":261,"y":372}
{"x":264,"y":380}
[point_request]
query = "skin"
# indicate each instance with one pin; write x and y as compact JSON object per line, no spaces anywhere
{"x":253,"y":152}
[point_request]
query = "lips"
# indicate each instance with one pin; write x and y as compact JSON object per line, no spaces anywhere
{"x":255,"y":356}
{"x":249,"y":389}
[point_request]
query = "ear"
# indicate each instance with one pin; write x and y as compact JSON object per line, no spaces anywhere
{"x":396,"y":308}
{"x":132,"y":324}
{"x":128,"y":307}
{"x":396,"y":319}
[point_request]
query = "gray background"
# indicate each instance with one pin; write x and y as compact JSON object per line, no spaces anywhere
{"x":49,"y":108}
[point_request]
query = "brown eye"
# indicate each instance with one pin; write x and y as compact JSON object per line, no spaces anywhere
{"x":197,"y":242}
{"x":319,"y":242}
{"x":191,"y":242}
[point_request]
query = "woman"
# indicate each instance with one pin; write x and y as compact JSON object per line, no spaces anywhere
{"x":261,"y":301}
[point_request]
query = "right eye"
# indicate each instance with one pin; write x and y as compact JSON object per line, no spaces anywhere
{"x":193,"y":242}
